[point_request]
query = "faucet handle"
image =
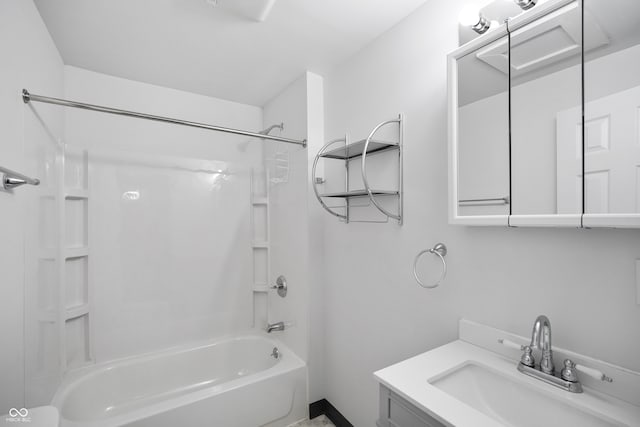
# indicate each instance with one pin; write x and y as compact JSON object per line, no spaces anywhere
{"x":594,"y":373}
{"x":527,"y":357}
{"x":281,"y":286}
{"x":568,"y":372}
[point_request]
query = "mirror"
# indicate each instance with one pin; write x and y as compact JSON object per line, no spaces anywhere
{"x":546,"y":106}
{"x":519,"y":146}
{"x":482,"y":111}
{"x":612,"y":113}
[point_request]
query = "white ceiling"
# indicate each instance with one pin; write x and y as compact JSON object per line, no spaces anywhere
{"x":218,"y":50}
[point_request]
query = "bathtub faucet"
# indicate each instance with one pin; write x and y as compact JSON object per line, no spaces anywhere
{"x":278,"y":326}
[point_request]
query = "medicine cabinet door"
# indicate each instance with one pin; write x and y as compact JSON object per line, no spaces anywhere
{"x":546,"y":130}
{"x":480,"y":112}
{"x":612,"y":113}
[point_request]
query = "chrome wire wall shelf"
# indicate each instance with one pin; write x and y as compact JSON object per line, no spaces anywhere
{"x":359,"y":193}
{"x":356,"y":149}
{"x":360,"y":150}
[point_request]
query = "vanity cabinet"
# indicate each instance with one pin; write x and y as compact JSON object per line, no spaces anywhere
{"x":520,"y":152}
{"x":398,"y":412}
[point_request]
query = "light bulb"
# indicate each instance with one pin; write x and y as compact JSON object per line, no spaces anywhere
{"x":469,"y":15}
{"x":526,"y":4}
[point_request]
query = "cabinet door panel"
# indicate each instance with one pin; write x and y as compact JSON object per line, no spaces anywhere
{"x":546,"y":106}
{"x":482,"y":111}
{"x":612,"y":115}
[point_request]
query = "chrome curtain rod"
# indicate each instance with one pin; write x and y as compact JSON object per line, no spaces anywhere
{"x":28,"y":97}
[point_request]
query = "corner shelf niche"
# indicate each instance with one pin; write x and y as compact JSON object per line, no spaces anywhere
{"x":72,"y":258}
{"x":360,"y":150}
{"x":260,"y":243}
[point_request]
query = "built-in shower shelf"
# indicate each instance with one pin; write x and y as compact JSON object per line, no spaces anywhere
{"x":77,"y":311}
{"x":356,"y":149}
{"x":76,"y":194}
{"x":260,"y":201}
{"x":76,"y":252}
{"x":260,"y":244}
{"x":68,"y":253}
{"x":261,"y":288}
{"x":65,"y":316}
{"x":360,"y":193}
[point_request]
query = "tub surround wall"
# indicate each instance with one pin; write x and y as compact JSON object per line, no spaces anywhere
{"x":497,"y":276}
{"x":168,"y":216}
{"x":105,"y":131}
{"x":29,"y":59}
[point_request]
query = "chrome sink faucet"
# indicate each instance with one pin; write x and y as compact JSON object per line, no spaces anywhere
{"x":567,"y":378}
{"x":541,"y":340}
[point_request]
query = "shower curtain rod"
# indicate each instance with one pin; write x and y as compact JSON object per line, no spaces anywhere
{"x":28,"y":97}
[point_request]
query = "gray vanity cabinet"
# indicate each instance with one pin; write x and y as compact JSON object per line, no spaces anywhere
{"x":397,"y":412}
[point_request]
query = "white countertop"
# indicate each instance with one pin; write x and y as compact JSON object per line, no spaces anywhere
{"x":410,"y":379}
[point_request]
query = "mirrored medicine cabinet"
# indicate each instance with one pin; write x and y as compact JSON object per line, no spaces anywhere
{"x":520,"y":151}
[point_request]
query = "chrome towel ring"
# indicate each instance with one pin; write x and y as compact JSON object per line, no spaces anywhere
{"x":441,"y":251}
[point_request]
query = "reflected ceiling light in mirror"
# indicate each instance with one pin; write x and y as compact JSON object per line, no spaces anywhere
{"x":470,"y":16}
{"x":526,"y":4}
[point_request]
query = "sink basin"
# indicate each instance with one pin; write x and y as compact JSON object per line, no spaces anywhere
{"x":474,"y":382}
{"x":511,"y":402}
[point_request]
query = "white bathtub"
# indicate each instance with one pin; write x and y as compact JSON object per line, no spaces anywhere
{"x":232,"y":382}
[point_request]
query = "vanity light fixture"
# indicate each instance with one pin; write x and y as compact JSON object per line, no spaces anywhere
{"x":470,"y":16}
{"x":526,"y":4}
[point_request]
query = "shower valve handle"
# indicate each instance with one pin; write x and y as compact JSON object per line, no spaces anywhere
{"x":281,"y":286}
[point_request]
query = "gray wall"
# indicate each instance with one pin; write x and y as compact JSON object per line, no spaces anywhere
{"x":376,"y":315}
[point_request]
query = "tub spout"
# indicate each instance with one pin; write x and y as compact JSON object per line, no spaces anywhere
{"x":271,"y":327}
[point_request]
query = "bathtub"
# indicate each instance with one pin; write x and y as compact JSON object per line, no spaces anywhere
{"x":231,"y":382}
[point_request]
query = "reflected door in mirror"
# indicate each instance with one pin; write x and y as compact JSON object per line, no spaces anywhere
{"x":612,"y":109}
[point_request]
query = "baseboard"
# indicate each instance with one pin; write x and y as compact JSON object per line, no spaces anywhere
{"x":317,"y":408}
{"x":324,"y":407}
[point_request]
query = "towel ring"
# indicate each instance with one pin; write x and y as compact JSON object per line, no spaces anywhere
{"x":441,"y":251}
